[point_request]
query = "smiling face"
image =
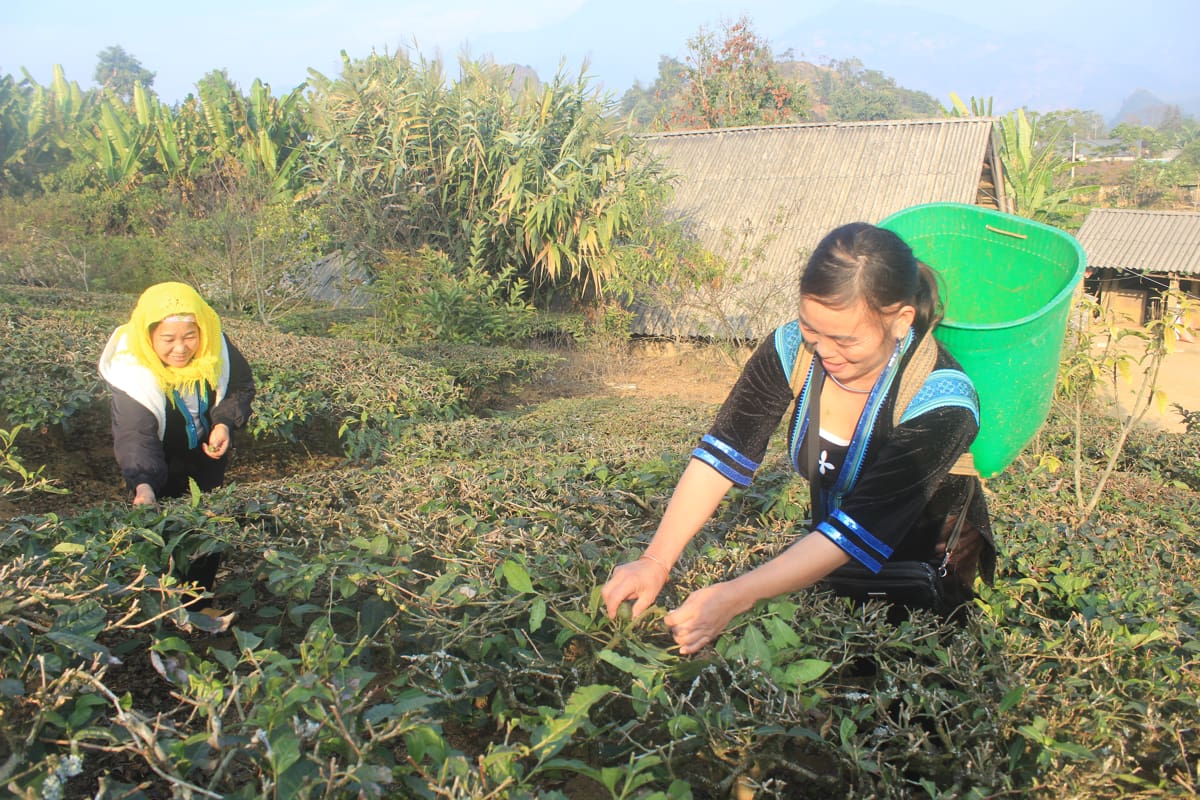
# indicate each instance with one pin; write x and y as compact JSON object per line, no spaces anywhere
{"x":854,"y":344}
{"x":175,"y":341}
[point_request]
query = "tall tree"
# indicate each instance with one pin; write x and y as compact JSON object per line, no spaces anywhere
{"x":118,"y":72}
{"x":732,"y":78}
{"x":652,"y":107}
{"x":857,"y":93}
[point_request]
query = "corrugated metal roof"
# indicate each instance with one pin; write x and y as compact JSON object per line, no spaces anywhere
{"x":774,"y":191}
{"x":1143,"y":241}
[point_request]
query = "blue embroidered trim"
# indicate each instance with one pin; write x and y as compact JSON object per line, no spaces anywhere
{"x":862,"y":533}
{"x":721,"y":467}
{"x":943,"y":387}
{"x":838,"y":538}
{"x":798,"y":430}
{"x":852,"y":465}
{"x":788,"y":342}
{"x":737,"y":457}
{"x":190,"y":424}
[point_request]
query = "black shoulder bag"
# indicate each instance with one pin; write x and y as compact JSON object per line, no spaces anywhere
{"x":911,"y":584}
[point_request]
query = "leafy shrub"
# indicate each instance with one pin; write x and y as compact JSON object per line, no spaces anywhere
{"x":426,"y":297}
{"x":48,"y":366}
{"x":368,"y":391}
{"x":81,"y":242}
{"x":486,"y":375}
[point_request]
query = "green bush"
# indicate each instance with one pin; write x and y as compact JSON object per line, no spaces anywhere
{"x":426,"y":297}
{"x":81,"y":241}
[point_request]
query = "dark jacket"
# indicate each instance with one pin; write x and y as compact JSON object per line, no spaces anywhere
{"x":888,"y":493}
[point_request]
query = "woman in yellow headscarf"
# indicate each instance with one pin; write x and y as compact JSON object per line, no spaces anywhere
{"x":179,"y":390}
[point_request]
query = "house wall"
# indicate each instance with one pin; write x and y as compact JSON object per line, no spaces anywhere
{"x":1136,"y":298}
{"x":1125,"y":297}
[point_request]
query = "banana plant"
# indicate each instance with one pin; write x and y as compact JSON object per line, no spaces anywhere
{"x":52,"y":118}
{"x":1032,"y":170}
{"x":262,"y":133}
{"x":119,"y":144}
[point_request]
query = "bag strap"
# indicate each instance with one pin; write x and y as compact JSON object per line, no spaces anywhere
{"x":916,"y":372}
{"x":952,"y":539}
{"x":804,"y":359}
{"x":812,"y":443}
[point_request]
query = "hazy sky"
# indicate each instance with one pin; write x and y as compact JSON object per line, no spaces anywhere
{"x":1013,"y":51}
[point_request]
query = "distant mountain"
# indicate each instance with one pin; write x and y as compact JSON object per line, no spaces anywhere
{"x":1043,"y":69}
{"x":1140,"y":108}
{"x":1144,"y":108}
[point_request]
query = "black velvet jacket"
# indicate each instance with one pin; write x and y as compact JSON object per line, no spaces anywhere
{"x":898,"y":495}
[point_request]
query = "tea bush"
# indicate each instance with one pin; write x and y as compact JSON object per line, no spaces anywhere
{"x":431,"y":627}
{"x":428,"y":624}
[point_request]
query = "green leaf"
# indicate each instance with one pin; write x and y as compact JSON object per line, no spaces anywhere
{"x":679,"y":790}
{"x":296,"y":613}
{"x":754,"y":647}
{"x":227,"y":659}
{"x":68,"y":548}
{"x":81,"y":645}
{"x":285,"y":750}
{"x":1011,"y":698}
{"x":425,"y":741}
{"x":806,"y":670}
{"x":517,"y":577}
{"x":846,"y":730}
{"x":84,"y":709}
{"x":628,"y":665}
{"x":246,"y":640}
{"x":537,"y":614}
{"x":554,"y":735}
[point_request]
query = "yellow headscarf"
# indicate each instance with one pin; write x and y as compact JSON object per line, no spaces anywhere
{"x":167,"y":300}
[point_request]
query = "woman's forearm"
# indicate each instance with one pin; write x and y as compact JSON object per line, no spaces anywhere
{"x":804,"y":563}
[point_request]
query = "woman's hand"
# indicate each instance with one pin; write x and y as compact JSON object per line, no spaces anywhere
{"x":218,"y":441}
{"x":704,"y":615}
{"x":143,"y":495}
{"x":639,"y":581}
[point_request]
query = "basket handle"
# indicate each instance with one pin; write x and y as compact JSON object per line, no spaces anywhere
{"x":1013,"y":234}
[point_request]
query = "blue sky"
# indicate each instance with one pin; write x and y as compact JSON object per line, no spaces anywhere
{"x":1044,"y":54}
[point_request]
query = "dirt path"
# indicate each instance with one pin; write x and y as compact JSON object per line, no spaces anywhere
{"x":1178,"y":379}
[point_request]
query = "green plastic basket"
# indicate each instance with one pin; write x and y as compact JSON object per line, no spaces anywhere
{"x":1007,"y":286}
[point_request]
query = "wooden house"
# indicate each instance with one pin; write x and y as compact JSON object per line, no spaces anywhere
{"x":1134,"y":256}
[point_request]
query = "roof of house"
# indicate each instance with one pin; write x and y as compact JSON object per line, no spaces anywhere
{"x":1145,"y":241}
{"x":767,"y":194}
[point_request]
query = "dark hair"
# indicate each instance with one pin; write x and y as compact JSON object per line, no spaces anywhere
{"x":859,"y":260}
